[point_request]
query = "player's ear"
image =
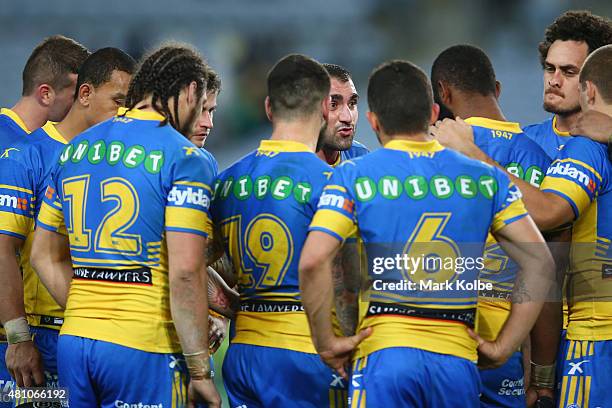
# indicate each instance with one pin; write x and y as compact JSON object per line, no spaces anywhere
{"x":373,"y":120}
{"x":84,"y":93}
{"x":497,"y":89}
{"x":45,"y":94}
{"x":268,"y":108}
{"x":445,"y":93}
{"x":325,"y":107}
{"x":592,"y":93}
{"x":435,"y":113}
{"x":192,"y":92}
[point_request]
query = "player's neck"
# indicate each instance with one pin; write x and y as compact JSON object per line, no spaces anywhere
{"x":410,"y":137}
{"x":565,"y":122}
{"x":328,"y":156}
{"x":31,"y":112}
{"x":73,"y":124}
{"x":302,"y":131}
{"x":483,"y":107}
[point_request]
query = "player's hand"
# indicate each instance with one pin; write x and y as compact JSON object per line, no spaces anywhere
{"x":217,"y":331}
{"x":203,"y":391}
{"x":24,"y":363}
{"x":491,"y":354}
{"x":337,"y":352}
{"x":454,"y":134}
{"x":594,"y":125}
{"x":540,"y":398}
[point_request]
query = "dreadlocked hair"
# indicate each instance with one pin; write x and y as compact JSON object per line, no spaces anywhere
{"x":162,"y":75}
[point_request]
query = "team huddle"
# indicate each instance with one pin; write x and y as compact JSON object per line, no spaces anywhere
{"x":465,"y":263}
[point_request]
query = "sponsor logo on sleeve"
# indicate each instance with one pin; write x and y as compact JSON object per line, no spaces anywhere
{"x":568,"y":170}
{"x":190,"y":195}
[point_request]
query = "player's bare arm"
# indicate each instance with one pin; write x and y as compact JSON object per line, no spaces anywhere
{"x":526,"y":246}
{"x":22,"y":358}
{"x":346,"y":275}
{"x":51,"y":261}
{"x":316,"y":287}
{"x":189,"y":308}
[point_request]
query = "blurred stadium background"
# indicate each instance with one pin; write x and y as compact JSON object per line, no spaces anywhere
{"x":243,"y":38}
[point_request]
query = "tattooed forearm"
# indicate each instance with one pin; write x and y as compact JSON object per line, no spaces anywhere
{"x":345,"y":272}
{"x":520,"y":293}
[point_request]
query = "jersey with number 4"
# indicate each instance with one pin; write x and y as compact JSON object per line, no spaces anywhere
{"x":423,"y":213}
{"x":118,"y":187}
{"x":263,"y":205}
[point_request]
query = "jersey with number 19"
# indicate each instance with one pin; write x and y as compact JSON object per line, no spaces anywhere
{"x":423,"y":213}
{"x":118,"y":187}
{"x":263,"y":205}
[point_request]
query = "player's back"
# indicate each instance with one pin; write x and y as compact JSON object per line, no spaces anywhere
{"x":120,"y":185}
{"x":547,"y":136}
{"x":264,"y":204}
{"x":431,"y":207}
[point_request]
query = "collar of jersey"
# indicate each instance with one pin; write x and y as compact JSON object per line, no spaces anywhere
{"x":15,"y":118}
{"x":53,"y":133}
{"x":414,"y":146}
{"x":140,"y":114}
{"x":287,"y":146}
{"x":557,"y":131}
{"x":513,"y":127}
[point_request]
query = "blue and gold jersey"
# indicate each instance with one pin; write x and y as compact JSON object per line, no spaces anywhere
{"x":357,"y":149}
{"x":505,"y":143}
{"x":423,"y":213}
{"x":582,"y":175}
{"x":547,"y":136}
{"x":263,"y":205}
{"x":41,"y":309}
{"x":213,"y":161}
{"x":117,"y":187}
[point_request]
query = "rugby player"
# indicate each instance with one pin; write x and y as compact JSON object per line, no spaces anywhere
{"x":337,"y":143}
{"x":263,"y":205}
{"x":577,"y":190}
{"x":413,"y":198}
{"x":133,"y":194}
{"x":49,"y":79}
{"x":464,"y":82}
{"x":101,"y":88}
{"x":567,"y":42}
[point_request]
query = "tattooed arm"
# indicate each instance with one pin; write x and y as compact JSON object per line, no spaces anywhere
{"x":525,"y":245}
{"x":346,"y":276}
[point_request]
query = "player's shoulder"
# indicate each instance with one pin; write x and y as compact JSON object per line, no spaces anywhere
{"x":580,"y":147}
{"x":539,"y":130}
{"x":358,"y":149}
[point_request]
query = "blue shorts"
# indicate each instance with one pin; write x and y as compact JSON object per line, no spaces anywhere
{"x":586,"y":379}
{"x":107,"y":375}
{"x":6,"y":381}
{"x":408,"y":377}
{"x":266,"y":377}
{"x":504,"y":387}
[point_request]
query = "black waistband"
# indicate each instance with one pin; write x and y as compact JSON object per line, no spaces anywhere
{"x":465,"y":316}
{"x":137,"y":276}
{"x":270,"y":306}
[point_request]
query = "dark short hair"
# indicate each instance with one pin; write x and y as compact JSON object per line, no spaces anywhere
{"x":162,"y":74}
{"x":213,"y":82}
{"x":400,"y":95}
{"x":297,"y":85}
{"x":598,"y":69}
{"x":339,"y":72}
{"x":51,"y":62}
{"x":466,"y":68}
{"x":99,"y":66}
{"x":574,"y":25}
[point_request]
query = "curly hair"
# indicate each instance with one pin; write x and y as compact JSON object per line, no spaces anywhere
{"x":162,"y":75}
{"x":594,"y":30}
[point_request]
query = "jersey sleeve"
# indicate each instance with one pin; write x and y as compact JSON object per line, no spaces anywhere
{"x":575,"y":175}
{"x":335,"y":213}
{"x":17,"y":199}
{"x":189,"y":196}
{"x":509,"y":206}
{"x":51,"y":216}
